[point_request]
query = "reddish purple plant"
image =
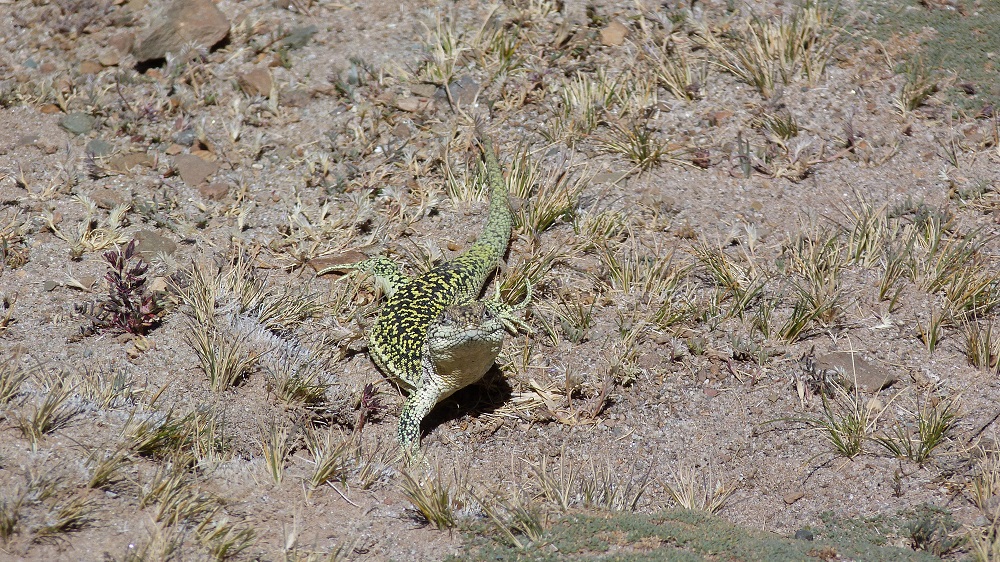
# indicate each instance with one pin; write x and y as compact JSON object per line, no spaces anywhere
{"x":129,"y":308}
{"x":370,"y":407}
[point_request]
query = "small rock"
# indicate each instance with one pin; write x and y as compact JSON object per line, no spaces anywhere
{"x":715,"y":118}
{"x":192,"y":169}
{"x":106,"y":198}
{"x":158,"y":285}
{"x":122,"y":42}
{"x":90,"y":67}
{"x":464,"y":91}
{"x":49,"y":285}
{"x":124,"y":163}
{"x":413,"y":104}
{"x":711,"y":392}
{"x":298,"y":37}
{"x":182,"y":23}
{"x":804,"y":535}
{"x":174,"y":149}
{"x":87,"y":281}
{"x":109,"y":58}
{"x":26,"y":140}
{"x":423,"y":90}
{"x":150,"y":243}
{"x":257,"y":82}
{"x":609,"y":177}
{"x":792,"y":497}
{"x":186,"y":137}
{"x":213,"y":191}
{"x":99,"y":147}
{"x":78,"y":123}
{"x":857,"y":370}
{"x":614,"y":34}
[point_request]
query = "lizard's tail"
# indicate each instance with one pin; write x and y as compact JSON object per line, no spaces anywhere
{"x":500,"y":221}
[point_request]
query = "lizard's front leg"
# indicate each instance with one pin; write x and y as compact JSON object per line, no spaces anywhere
{"x":418,"y":404}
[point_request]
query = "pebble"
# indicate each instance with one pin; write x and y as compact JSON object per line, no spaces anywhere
{"x":184,"y":22}
{"x":464,"y":91}
{"x":213,"y":191}
{"x":151,"y":243}
{"x":125,"y":162}
{"x":257,"y":82}
{"x":90,"y":67}
{"x":298,"y":37}
{"x":614,"y":34}
{"x":186,"y":137}
{"x":98,"y":147}
{"x":78,"y":123}
{"x":792,"y":497}
{"x":192,"y":169}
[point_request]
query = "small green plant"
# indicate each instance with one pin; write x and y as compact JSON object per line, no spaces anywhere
{"x":54,"y":412}
{"x":935,"y":421}
{"x":607,"y":488}
{"x":981,"y":347}
{"x":67,"y":517}
{"x":106,"y":469}
{"x":330,"y":459}
{"x":986,"y":482}
{"x":432,"y":497}
{"x":673,"y":65}
{"x":766,"y":52}
{"x":223,"y":539}
{"x":520,"y":521}
{"x":931,"y":333}
{"x":575,"y":317}
{"x":225,"y":358}
{"x":847,"y":420}
{"x":549,"y":195}
{"x":275,"y":444}
{"x":12,"y":376}
{"x":933,"y":530}
{"x":696,"y":491}
{"x":636,"y":141}
{"x":779,"y":127}
{"x":918,"y":86}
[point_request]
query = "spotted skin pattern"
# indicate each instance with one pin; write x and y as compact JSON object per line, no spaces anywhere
{"x":439,"y":301}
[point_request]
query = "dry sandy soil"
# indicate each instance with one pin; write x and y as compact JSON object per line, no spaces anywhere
{"x":732,"y":281}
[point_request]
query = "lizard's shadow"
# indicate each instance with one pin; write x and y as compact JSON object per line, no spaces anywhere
{"x":483,"y":397}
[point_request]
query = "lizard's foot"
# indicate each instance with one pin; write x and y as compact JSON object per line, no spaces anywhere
{"x":384,"y":270}
{"x":507,"y":313}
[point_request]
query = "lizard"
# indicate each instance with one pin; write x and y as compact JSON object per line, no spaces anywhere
{"x":432,"y":336}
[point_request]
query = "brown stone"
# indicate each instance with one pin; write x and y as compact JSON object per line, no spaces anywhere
{"x":792,"y":497}
{"x":192,"y":169}
{"x":182,"y":23}
{"x":414,"y":104}
{"x":257,"y":82}
{"x":857,"y":370}
{"x":126,"y":162}
{"x":614,"y":34}
{"x":214,"y":191}
{"x":90,"y":67}
{"x":122,"y":42}
{"x":109,"y":58}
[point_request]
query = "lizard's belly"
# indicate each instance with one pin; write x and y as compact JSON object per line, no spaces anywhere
{"x":460,"y":367}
